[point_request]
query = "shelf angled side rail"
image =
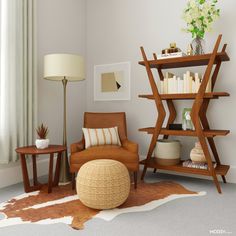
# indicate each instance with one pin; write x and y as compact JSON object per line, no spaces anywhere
{"x":203,"y":116}
{"x":160,"y":109}
{"x":195,"y":113}
{"x":170,"y":104}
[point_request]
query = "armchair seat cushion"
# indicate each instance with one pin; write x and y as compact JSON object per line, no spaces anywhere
{"x":118,"y":153}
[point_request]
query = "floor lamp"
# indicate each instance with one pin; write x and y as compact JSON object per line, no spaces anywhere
{"x":64,"y":67}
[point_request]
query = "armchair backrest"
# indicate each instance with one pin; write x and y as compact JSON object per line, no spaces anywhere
{"x":107,"y":120}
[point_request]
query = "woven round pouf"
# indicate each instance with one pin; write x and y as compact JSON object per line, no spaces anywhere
{"x":103,"y":184}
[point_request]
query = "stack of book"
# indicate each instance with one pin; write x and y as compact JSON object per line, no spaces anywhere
{"x":197,"y":165}
{"x":190,"y":83}
{"x":170,"y":55}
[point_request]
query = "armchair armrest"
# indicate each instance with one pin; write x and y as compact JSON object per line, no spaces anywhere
{"x":130,"y":146}
{"x":77,"y":147}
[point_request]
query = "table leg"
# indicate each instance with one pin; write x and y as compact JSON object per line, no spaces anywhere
{"x":57,"y":171}
{"x":35,"y":178}
{"x":25,"y":173}
{"x":26,"y":181}
{"x":50,"y":174}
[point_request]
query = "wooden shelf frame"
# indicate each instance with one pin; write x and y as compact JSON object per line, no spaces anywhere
{"x":186,"y":96}
{"x":219,"y":169}
{"x":198,"y":114}
{"x":209,"y":133}
{"x":187,"y":61}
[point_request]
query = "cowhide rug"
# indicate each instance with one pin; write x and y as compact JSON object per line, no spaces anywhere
{"x":63,"y":205}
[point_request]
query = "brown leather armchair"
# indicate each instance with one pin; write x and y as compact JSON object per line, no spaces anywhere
{"x":127,"y":153}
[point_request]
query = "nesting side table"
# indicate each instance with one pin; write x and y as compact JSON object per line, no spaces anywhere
{"x":33,"y":151}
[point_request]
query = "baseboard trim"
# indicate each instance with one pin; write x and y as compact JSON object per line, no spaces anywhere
{"x":230,"y":177}
{"x":11,"y":174}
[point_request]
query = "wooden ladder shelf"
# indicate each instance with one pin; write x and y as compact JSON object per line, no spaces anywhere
{"x":198,"y":113}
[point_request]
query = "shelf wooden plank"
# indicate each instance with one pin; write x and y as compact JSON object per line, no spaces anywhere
{"x":207,"y":133}
{"x":184,"y":96}
{"x":187,"y":61}
{"x":220,"y":169}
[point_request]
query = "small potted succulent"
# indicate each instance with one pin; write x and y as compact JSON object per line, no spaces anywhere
{"x":42,"y":132}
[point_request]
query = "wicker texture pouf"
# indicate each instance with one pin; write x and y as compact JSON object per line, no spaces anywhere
{"x":103,"y":184}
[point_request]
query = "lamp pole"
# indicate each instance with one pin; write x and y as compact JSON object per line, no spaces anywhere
{"x":65,"y":176}
{"x":64,"y":67}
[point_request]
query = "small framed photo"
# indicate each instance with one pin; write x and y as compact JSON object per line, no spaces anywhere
{"x":112,"y":82}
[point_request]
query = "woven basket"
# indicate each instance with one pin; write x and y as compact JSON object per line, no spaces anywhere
{"x":103,"y":184}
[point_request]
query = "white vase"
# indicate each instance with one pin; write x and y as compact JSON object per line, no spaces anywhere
{"x":42,"y":143}
{"x":197,"y":154}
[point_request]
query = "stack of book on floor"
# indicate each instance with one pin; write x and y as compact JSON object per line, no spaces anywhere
{"x":197,"y":165}
{"x":190,"y":83}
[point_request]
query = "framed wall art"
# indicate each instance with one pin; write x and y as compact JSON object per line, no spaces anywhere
{"x":112,"y":82}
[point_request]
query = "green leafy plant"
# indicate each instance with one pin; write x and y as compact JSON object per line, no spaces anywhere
{"x":42,"y":131}
{"x":199,"y":16}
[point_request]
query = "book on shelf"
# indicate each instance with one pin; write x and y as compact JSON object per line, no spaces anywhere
{"x":185,"y":84}
{"x":172,"y":85}
{"x":208,"y":88}
{"x":193,"y":86}
{"x":180,"y":85}
{"x":169,"y":85}
{"x":197,"y":165}
{"x":175,"y":85}
{"x":190,"y":83}
{"x":171,"y":55}
{"x":165,"y":83}
{"x":165,"y":86}
{"x":190,"y":78}
{"x":197,"y":82}
{"x":162,"y":86}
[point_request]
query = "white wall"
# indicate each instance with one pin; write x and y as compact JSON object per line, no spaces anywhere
{"x":116,"y":30}
{"x":61,"y":29}
{"x":109,"y":31}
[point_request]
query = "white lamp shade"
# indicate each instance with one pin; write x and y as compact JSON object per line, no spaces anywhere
{"x":60,"y":66}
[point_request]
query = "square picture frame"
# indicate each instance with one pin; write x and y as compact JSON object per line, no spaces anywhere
{"x":112,"y":81}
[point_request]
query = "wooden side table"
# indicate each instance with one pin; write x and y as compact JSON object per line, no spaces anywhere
{"x":32,"y":150}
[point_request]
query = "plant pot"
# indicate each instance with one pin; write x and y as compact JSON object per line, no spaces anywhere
{"x":42,"y":143}
{"x":167,"y":152}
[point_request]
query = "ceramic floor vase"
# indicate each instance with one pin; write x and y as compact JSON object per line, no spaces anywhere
{"x":167,"y":152}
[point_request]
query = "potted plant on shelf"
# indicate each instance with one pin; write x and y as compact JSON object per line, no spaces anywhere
{"x":42,"y":132}
{"x":199,"y":16}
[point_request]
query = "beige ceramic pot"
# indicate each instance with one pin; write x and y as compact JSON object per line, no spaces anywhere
{"x":167,"y":152}
{"x":197,"y":154}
